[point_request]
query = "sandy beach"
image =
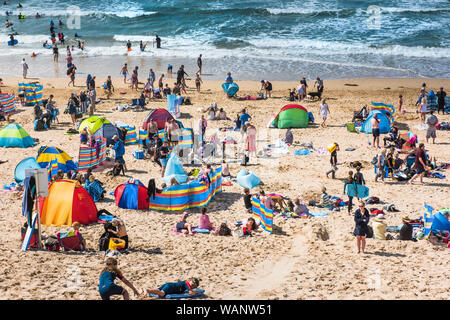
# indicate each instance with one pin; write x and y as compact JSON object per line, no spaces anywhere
{"x":303,"y":259}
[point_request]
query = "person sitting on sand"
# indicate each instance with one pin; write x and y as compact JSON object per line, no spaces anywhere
{"x":406,"y":230}
{"x":107,"y":287}
{"x":300,"y":209}
{"x":222,"y":230}
{"x":166,"y":91}
{"x":59,"y":175}
{"x":76,"y":230}
{"x":211,"y":113}
{"x":379,"y":227}
{"x":325,"y":200}
{"x":183,"y":226}
{"x":390,"y":161}
{"x":393,"y":135}
{"x":225,"y":169}
{"x":179,"y":287}
{"x":238,"y":123}
{"x":203,"y":220}
{"x":222,"y":115}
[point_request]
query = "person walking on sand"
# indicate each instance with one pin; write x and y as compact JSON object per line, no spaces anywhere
{"x":124,"y":72}
{"x":198,"y":81}
{"x":423,"y":109}
{"x":400,"y":103}
{"x":24,"y":68}
{"x":375,"y":122}
{"x":441,"y":94}
{"x":71,"y":74}
{"x":55,"y":53}
{"x":420,"y":164}
{"x":333,"y":162}
{"x":324,"y":111}
{"x":107,"y":287}
{"x":362,"y":218}
{"x":109,"y":87}
{"x":431,"y":122}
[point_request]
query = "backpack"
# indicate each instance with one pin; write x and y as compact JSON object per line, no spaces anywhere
{"x":224,"y":230}
{"x":103,"y":242}
{"x":39,"y":125}
{"x":52,"y":243}
{"x":245,"y":159}
{"x":373,"y":200}
{"x":375,"y":160}
{"x":369,"y":232}
{"x":187,"y":101}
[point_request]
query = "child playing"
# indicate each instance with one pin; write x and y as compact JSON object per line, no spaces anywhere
{"x":174,"y":288}
{"x":107,"y":287}
{"x":84,"y":136}
{"x":325,"y":199}
{"x":248,"y":200}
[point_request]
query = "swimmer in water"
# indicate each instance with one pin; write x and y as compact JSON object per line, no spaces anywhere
{"x":33,"y":55}
{"x":38,"y":15}
{"x":19,"y":5}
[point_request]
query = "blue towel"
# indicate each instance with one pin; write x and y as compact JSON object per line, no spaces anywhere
{"x":319,"y":214}
{"x":302,"y":152}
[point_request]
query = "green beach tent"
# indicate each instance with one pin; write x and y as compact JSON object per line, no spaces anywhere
{"x":290,"y":116}
{"x":14,"y":136}
{"x":93,"y":123}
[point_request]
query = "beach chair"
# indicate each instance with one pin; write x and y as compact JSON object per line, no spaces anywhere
{"x":69,"y":241}
{"x":351,"y":127}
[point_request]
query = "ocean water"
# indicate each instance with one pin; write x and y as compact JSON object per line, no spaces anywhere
{"x":280,"y":40}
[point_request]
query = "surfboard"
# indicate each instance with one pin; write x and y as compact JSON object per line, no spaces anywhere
{"x":363,"y":191}
{"x":15,"y":42}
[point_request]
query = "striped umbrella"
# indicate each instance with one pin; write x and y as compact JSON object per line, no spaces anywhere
{"x":64,"y":161}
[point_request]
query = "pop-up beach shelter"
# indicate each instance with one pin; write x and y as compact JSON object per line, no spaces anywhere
{"x":290,"y":116}
{"x":67,"y":202}
{"x":48,"y":154}
{"x":14,"y":136}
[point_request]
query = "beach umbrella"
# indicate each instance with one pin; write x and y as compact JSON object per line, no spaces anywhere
{"x":64,"y":161}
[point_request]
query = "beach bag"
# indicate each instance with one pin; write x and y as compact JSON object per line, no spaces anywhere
{"x":138,"y":154}
{"x":39,"y":125}
{"x":245,"y":159}
{"x":103,"y":242}
{"x":238,"y":232}
{"x":373,"y":200}
{"x":52,"y":243}
{"x":116,"y":244}
{"x":375,"y":160}
{"x":331,"y":147}
{"x":369,"y":232}
{"x":224,"y":230}
{"x":187,"y":101}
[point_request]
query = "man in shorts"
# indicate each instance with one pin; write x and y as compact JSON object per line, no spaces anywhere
{"x":179,"y":287}
{"x":375,"y":122}
{"x":431,"y":122}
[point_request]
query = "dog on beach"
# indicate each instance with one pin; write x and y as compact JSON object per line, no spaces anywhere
{"x":313,"y":95}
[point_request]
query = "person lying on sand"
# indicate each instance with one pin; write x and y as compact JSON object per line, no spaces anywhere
{"x":174,"y":288}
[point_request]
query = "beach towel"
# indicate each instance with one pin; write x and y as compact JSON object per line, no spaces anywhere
{"x":319,"y":214}
{"x":302,"y":152}
{"x":181,"y":295}
{"x":322,"y":151}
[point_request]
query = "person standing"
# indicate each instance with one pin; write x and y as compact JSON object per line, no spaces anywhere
{"x":333,"y":162}
{"x":128,"y":45}
{"x":119,"y":151}
{"x":229,"y":79}
{"x":158,"y":42}
{"x":420,"y":164}
{"x":199,"y":64}
{"x":423,"y":109}
{"x":324,"y":111}
{"x":441,"y":94}
{"x":55,"y":52}
{"x":160,"y":83}
{"x":198,"y":82}
{"x":124,"y":72}
{"x":251,"y":138}
{"x":362,"y":218}
{"x":71,"y":74}
{"x":350,"y":181}
{"x":24,"y":68}
{"x":151,"y":77}
{"x":202,"y":124}
{"x":319,"y":85}
{"x":400,"y":103}
{"x":431,"y":122}
{"x":180,"y":75}
{"x":381,"y":159}
{"x":109,"y":87}
{"x":375,"y":122}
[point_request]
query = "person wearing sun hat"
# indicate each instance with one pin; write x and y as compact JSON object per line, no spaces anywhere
{"x":379,"y":227}
{"x":406,"y":230}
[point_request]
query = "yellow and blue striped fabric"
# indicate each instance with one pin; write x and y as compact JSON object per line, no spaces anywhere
{"x":188,"y":195}
{"x":14,"y":136}
{"x":428,"y":221}
{"x":33,"y":93}
{"x":263,"y":214}
{"x":65,"y":162}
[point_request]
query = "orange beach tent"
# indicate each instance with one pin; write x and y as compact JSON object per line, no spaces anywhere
{"x":67,"y":202}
